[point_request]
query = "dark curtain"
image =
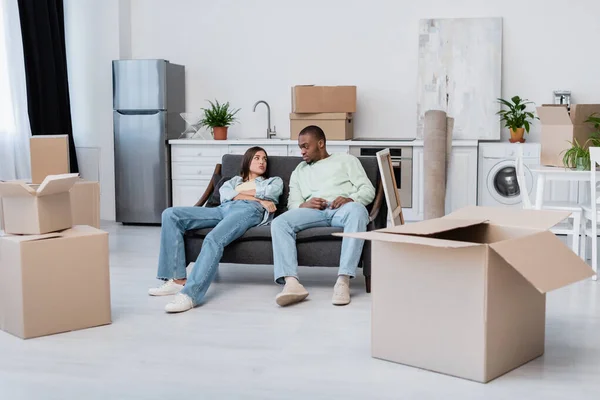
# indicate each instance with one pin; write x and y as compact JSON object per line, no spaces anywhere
{"x":43,"y":33}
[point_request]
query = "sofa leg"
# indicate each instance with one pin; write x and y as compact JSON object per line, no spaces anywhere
{"x":368,"y":283}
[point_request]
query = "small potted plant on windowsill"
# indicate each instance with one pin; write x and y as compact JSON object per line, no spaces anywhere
{"x":218,"y":117}
{"x":516,"y":117}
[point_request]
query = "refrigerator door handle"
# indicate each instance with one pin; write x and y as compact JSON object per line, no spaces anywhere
{"x":137,"y":112}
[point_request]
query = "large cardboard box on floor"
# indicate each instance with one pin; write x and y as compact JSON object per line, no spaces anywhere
{"x":337,"y":126}
{"x":32,"y":210}
{"x":54,"y":283}
{"x":49,"y":156}
{"x":323,"y":99}
{"x":559,"y":127}
{"x":464,"y":294}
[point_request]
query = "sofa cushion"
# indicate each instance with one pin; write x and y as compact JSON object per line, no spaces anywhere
{"x":264,"y":233}
{"x":215,"y":198}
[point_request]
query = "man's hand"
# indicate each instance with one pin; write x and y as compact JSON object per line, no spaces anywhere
{"x":315,"y":203}
{"x":340,"y":201}
{"x":268,"y":205}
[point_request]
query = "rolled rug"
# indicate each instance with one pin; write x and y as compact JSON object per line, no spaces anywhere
{"x":434,"y":164}
{"x":449,"y":130}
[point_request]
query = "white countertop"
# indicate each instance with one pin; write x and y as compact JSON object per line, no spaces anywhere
{"x":275,"y":142}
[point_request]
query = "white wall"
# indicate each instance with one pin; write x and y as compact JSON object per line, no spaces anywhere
{"x":97,"y":32}
{"x":243,"y":51}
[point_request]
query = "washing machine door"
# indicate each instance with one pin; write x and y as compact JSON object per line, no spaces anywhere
{"x":502,"y":182}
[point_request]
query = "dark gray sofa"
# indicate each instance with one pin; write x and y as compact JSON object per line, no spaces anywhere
{"x":316,"y":246}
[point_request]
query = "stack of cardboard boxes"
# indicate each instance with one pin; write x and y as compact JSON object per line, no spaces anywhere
{"x":54,"y":267}
{"x":329,"y":107}
{"x":465,"y":294}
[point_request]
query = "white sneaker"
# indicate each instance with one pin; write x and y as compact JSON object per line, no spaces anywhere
{"x":166,"y":289}
{"x":181,"y":302}
{"x":341,"y":294}
{"x":293,"y":292}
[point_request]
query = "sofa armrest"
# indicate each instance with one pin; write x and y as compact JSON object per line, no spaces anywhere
{"x":377,"y":203}
{"x":210,"y":188}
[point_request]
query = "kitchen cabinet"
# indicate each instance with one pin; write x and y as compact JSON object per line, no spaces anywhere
{"x":461,"y":189}
{"x":193,"y":162}
{"x":186,"y":192}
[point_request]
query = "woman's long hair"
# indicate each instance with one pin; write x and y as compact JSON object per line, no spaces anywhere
{"x":247,"y":160}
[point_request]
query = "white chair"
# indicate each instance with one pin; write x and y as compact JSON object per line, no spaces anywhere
{"x":590,"y":212}
{"x":572,"y":228}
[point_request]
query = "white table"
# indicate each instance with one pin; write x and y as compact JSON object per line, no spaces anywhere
{"x":545,"y":173}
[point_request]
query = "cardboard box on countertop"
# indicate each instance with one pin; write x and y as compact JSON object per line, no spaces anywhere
{"x":54,"y":283}
{"x":49,"y":156}
{"x":34,"y":210}
{"x":337,"y":126}
{"x":464,"y":294}
{"x":323,"y":99}
{"x":559,"y":127}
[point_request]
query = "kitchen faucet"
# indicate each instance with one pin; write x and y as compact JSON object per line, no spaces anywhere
{"x":270,"y":133}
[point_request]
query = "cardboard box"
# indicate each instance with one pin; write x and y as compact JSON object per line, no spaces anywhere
{"x":323,"y":99}
{"x":337,"y":126}
{"x":34,"y":210}
{"x":49,"y":156}
{"x":464,"y":294}
{"x":559,"y":127}
{"x":85,"y":203}
{"x":54,"y":283}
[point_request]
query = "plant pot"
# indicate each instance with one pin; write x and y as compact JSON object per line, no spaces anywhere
{"x":580,"y":164}
{"x":517,"y":135}
{"x":220,"y":132}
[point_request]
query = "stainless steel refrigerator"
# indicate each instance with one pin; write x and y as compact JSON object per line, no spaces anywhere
{"x":148,"y":96}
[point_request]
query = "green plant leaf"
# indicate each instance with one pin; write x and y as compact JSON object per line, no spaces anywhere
{"x":219,"y":115}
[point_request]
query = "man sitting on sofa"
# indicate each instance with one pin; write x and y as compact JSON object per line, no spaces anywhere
{"x":325,"y":190}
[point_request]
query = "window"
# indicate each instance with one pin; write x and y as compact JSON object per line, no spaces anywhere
{"x":6,"y":108}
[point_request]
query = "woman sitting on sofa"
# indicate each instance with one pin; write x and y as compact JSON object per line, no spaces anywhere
{"x":247,"y":200}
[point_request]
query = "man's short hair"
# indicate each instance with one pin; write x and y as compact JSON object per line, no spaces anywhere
{"x":315,"y":131}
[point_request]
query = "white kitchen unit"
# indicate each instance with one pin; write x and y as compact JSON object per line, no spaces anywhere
{"x":193,"y":162}
{"x":461,"y":190}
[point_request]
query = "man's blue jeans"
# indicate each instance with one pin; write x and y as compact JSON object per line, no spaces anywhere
{"x":353,"y":217}
{"x":230,"y":221}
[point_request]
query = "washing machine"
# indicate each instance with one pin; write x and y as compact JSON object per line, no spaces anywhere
{"x":497,"y":177}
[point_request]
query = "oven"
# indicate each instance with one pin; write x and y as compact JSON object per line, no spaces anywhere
{"x":403,"y":165}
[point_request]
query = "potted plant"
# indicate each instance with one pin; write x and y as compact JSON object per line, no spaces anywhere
{"x":594,"y":120}
{"x":578,"y":156}
{"x":218,"y":117}
{"x":516,"y":117}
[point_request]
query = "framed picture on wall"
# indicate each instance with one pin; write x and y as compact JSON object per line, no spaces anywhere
{"x":390,"y":188}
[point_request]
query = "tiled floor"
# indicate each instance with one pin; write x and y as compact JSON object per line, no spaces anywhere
{"x":241,"y":345}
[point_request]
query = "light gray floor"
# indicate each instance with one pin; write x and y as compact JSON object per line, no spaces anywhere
{"x":241,"y":345}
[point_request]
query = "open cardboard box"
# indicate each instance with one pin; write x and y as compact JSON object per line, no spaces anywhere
{"x":559,"y":127}
{"x":53,"y":283}
{"x":465,"y":295}
{"x":33,"y":210}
